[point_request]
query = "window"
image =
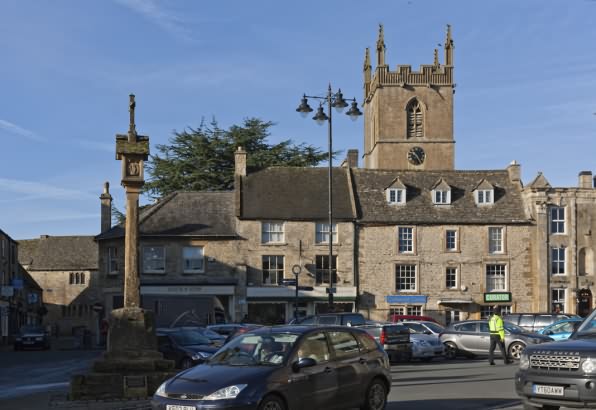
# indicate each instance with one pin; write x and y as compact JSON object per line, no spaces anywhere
{"x":466,"y":327}
{"x":451,"y":278}
{"x":82,"y":278}
{"x":112,"y":260}
{"x":322,"y":269}
{"x":396,"y":196}
{"x":405,"y":238}
{"x":154,"y":259}
{"x":414,"y":310}
{"x":322,"y":233}
{"x":314,"y":346}
{"x":484,"y":196}
{"x":557,"y":261}
{"x":495,"y":240}
{"x":272,"y":232}
{"x":344,"y":344}
{"x":496,"y":277}
{"x":415,"y":119}
{"x":193,"y":259}
{"x":451,"y":240}
{"x":273,"y":269}
{"x":487,"y":310}
{"x":71,"y":279}
{"x":441,"y":197}
{"x":405,"y":278}
{"x":557,"y":219}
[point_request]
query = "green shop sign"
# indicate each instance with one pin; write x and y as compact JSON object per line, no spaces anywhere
{"x":497,"y":297}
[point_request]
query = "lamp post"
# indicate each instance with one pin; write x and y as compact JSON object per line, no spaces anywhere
{"x":334,"y":100}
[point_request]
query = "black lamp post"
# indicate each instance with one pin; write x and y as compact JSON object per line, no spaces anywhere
{"x":334,"y":100}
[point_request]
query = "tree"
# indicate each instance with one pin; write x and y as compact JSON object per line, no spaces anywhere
{"x":202,"y":159}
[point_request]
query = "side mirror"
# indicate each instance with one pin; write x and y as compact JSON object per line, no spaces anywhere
{"x":548,"y":332}
{"x":302,"y":363}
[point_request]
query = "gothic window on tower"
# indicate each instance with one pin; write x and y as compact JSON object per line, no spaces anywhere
{"x":415,"y":119}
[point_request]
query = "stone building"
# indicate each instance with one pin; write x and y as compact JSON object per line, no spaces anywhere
{"x":65,"y":267}
{"x":11,"y":315}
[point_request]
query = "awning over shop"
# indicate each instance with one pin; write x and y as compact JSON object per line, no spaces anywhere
{"x":406,"y":299}
{"x":446,"y":301}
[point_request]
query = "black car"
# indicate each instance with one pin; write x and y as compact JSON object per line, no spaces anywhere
{"x":32,"y":337}
{"x":395,"y":339}
{"x":186,"y":347}
{"x":285,"y":368}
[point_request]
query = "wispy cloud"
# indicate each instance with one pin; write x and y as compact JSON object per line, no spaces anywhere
{"x":22,"y":132}
{"x":35,"y":190}
{"x":155,"y":12}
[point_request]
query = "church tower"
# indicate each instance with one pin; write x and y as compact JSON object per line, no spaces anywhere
{"x":408,"y":115}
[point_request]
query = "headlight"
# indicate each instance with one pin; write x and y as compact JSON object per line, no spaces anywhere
{"x":161,"y":390}
{"x":524,"y":361}
{"x":200,"y":355}
{"x":229,"y":392}
{"x":589,"y":366}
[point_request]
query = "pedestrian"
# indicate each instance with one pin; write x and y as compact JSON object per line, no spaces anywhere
{"x":497,"y":335}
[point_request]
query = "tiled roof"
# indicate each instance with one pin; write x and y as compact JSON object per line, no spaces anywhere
{"x":59,"y":253}
{"x":419,"y":208}
{"x":295,"y":193}
{"x":186,"y":214}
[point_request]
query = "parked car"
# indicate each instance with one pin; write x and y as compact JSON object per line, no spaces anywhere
{"x":247,"y":327}
{"x":285,"y":368}
{"x":401,"y":318}
{"x":394,"y":337}
{"x":185,"y":346}
{"x":472,"y":337}
{"x":562,"y":329}
{"x":225,"y":329}
{"x":562,"y":373}
{"x":328,"y":319}
{"x":215,"y":338}
{"x":426,"y":327}
{"x":32,"y":337}
{"x":425,"y":338}
{"x":533,"y":322}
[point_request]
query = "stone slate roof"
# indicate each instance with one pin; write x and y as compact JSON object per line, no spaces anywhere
{"x":59,"y":253}
{"x":197,"y":213}
{"x":296,"y":193}
{"x":29,"y":281}
{"x":419,"y":208}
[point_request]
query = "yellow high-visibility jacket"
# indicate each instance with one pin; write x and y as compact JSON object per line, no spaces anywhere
{"x":495,"y":326}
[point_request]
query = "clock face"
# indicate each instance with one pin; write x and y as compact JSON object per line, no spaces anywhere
{"x":416,"y":156}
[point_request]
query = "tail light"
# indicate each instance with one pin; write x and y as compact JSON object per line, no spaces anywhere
{"x":382,"y":338}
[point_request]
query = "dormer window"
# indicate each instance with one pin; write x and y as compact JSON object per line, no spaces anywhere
{"x":396,"y":196}
{"x":441,"y":197}
{"x":484,"y":193}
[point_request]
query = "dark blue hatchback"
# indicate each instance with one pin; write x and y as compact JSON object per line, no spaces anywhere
{"x":285,"y":368}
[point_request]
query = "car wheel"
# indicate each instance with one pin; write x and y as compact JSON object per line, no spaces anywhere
{"x":272,"y":403}
{"x":450,"y":350}
{"x":376,"y":396}
{"x":516,"y":349}
{"x":186,"y":363}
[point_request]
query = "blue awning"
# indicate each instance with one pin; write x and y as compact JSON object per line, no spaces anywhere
{"x":406,"y":299}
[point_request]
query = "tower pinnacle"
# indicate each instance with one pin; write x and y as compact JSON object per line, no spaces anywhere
{"x":381,"y":47}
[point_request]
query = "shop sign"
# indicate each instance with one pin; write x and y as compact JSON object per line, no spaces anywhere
{"x":494,"y":297}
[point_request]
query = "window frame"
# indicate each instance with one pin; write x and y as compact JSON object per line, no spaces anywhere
{"x":441,"y":196}
{"x":323,"y":270}
{"x":409,"y":243}
{"x":201,"y":258}
{"x":561,"y":263}
{"x":500,"y":241}
{"x":557,"y":221}
{"x":400,"y":196}
{"x":407,"y":277}
{"x":146,"y":270}
{"x":494,"y":278}
{"x":481,"y":195}
{"x":414,"y":119}
{"x":113,"y":260}
{"x":558,"y":300}
{"x":279,"y":273}
{"x":455,"y":248}
{"x":322,"y":233}
{"x":267,"y":230}
{"x":455,"y":279}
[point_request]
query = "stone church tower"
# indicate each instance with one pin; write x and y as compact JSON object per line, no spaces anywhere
{"x":408,"y":115}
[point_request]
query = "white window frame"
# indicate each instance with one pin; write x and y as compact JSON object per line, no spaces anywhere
{"x":485,"y":197}
{"x":322,"y":233}
{"x":409,"y":273}
{"x":455,"y":248}
{"x":414,"y":310}
{"x":406,"y":237}
{"x":272,"y":232}
{"x":113,"y":260}
{"x":558,"y":258}
{"x":396,"y":196}
{"x":496,"y":278}
{"x":147,"y":264}
{"x":279,"y":273}
{"x":441,"y":196}
{"x":455,"y":278}
{"x":558,"y":297}
{"x":557,"y":223}
{"x":188,"y":259}
{"x":496,"y":240}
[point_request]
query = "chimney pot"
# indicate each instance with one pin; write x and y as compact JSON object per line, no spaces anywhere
{"x":585,"y":179}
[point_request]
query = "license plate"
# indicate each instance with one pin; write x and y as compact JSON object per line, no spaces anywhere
{"x":177,"y":407}
{"x":548,"y":390}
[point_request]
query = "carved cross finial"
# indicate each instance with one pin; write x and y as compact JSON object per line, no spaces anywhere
{"x":132,"y":132}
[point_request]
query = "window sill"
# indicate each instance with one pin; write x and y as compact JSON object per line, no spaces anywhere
{"x":154,"y":273}
{"x":274,"y":243}
{"x":193,"y":272}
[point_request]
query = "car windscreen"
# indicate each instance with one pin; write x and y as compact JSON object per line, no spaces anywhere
{"x":435,"y":327}
{"x":189,"y":338}
{"x":31,"y":329}
{"x":254,"y":350}
{"x":511,"y":328}
{"x":416,"y":327}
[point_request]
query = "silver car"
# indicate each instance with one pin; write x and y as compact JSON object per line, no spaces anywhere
{"x":472,"y":338}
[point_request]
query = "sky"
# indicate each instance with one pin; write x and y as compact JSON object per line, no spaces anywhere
{"x":525,"y":73}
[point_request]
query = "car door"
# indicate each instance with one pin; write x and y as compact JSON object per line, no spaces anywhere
{"x":315,"y":386}
{"x":467,"y":335}
{"x":483,"y":338}
{"x":350,"y":366}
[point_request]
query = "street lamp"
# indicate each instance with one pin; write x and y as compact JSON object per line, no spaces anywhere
{"x":334,"y":100}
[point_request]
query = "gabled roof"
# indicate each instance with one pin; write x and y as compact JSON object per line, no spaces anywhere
{"x":296,"y":193}
{"x":540,"y":182}
{"x":419,"y":209}
{"x":197,"y":214}
{"x":441,"y":185}
{"x":483,"y":185}
{"x":397,"y":184}
{"x":59,"y":253}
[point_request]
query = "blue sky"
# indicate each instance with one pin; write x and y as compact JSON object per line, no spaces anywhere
{"x":525,"y":74}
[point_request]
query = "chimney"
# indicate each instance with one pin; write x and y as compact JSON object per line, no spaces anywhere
{"x":514,"y":170}
{"x":106,"y":208}
{"x":352,"y":158}
{"x":44,"y":236}
{"x":240,"y":162}
{"x":585,"y":179}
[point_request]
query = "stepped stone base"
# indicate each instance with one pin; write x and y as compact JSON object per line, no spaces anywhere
{"x":132,"y":367}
